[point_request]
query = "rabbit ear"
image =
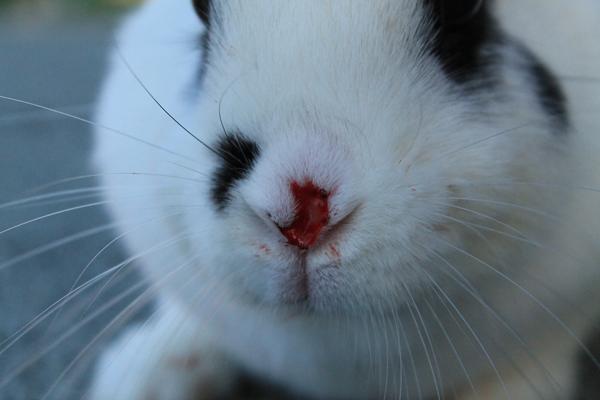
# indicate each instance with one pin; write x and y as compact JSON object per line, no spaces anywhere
{"x":202,"y":8}
{"x":460,"y":28}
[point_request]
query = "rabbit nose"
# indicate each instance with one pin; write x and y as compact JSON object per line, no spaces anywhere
{"x":311,"y":214}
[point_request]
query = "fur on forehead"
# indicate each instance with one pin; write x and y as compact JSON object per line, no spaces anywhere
{"x":290,"y":48}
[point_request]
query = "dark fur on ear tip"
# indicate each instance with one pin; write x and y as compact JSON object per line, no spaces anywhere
{"x":202,"y":8}
{"x":459,"y":31}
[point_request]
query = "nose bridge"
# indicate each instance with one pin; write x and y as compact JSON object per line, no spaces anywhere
{"x":311,"y":214}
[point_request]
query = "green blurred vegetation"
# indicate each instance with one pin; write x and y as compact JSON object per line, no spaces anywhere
{"x":72,"y":5}
{"x":99,"y":3}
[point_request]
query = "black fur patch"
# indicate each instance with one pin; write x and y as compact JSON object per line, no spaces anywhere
{"x":202,"y":8}
{"x":550,"y":93}
{"x":461,"y":29}
{"x":250,"y":386}
{"x":237,"y":156}
{"x":546,"y":86}
{"x":464,"y":37}
{"x":587,"y":372}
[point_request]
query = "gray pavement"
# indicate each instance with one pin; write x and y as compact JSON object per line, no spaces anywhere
{"x":58,"y":65}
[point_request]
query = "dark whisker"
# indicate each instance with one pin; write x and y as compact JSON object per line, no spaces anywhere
{"x":155,"y":100}
{"x":94,"y":124}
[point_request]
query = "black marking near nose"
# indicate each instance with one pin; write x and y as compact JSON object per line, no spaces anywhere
{"x":238,"y":155}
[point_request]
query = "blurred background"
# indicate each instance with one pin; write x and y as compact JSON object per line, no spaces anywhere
{"x":53,"y":53}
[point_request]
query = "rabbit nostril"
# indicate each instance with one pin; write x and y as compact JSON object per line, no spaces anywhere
{"x":311,"y":214}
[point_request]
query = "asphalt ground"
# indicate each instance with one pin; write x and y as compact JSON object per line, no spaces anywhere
{"x":58,"y":64}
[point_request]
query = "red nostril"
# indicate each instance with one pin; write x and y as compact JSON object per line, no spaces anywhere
{"x":312,"y":214}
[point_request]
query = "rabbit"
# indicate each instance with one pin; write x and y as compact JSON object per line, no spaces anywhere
{"x":351,"y":199}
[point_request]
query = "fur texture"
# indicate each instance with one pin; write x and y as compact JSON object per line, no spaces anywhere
{"x":456,"y":233}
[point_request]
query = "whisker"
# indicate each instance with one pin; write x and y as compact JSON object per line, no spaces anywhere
{"x":466,"y":285}
{"x":482,"y":215}
{"x":131,"y":308}
{"x":472,"y":331}
{"x":477,"y":227}
{"x":431,"y":359}
{"x":528,"y":294}
{"x":57,"y":243}
{"x":384,"y":330}
{"x":7,"y":343}
{"x":52,"y":214}
{"x":507,"y":204}
{"x":119,"y":319}
{"x":120,"y":266}
{"x":74,"y":292}
{"x":105,"y":307}
{"x":58,"y":182}
{"x":95,"y":124}
{"x":412,"y":361}
{"x":203,"y":174}
{"x":401,"y":373}
{"x":40,"y":114}
{"x":561,"y":186}
{"x":453,"y":347}
{"x":42,"y":197}
{"x":488,"y":138}
{"x":155,"y":100}
{"x":83,"y":207}
{"x":111,"y":243}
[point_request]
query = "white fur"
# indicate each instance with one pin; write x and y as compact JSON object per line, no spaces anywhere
{"x":364,"y":113}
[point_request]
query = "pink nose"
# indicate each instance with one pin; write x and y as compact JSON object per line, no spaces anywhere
{"x":312,"y":214}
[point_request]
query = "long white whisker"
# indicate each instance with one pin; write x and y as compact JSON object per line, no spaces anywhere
{"x":27,"y":116}
{"x":95,"y":124}
{"x":119,"y":266}
{"x":471,"y":330}
{"x":491,"y":137}
{"x":431,"y":359}
{"x":528,"y":294}
{"x":466,"y":285}
{"x":74,"y":292}
{"x":94,"y":176}
{"x":482,"y":215}
{"x":83,"y":207}
{"x":34,"y":358}
{"x":452,"y":347}
{"x":57,"y":243}
{"x":145,"y":296}
{"x":508,"y":204}
{"x":55,"y":213}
